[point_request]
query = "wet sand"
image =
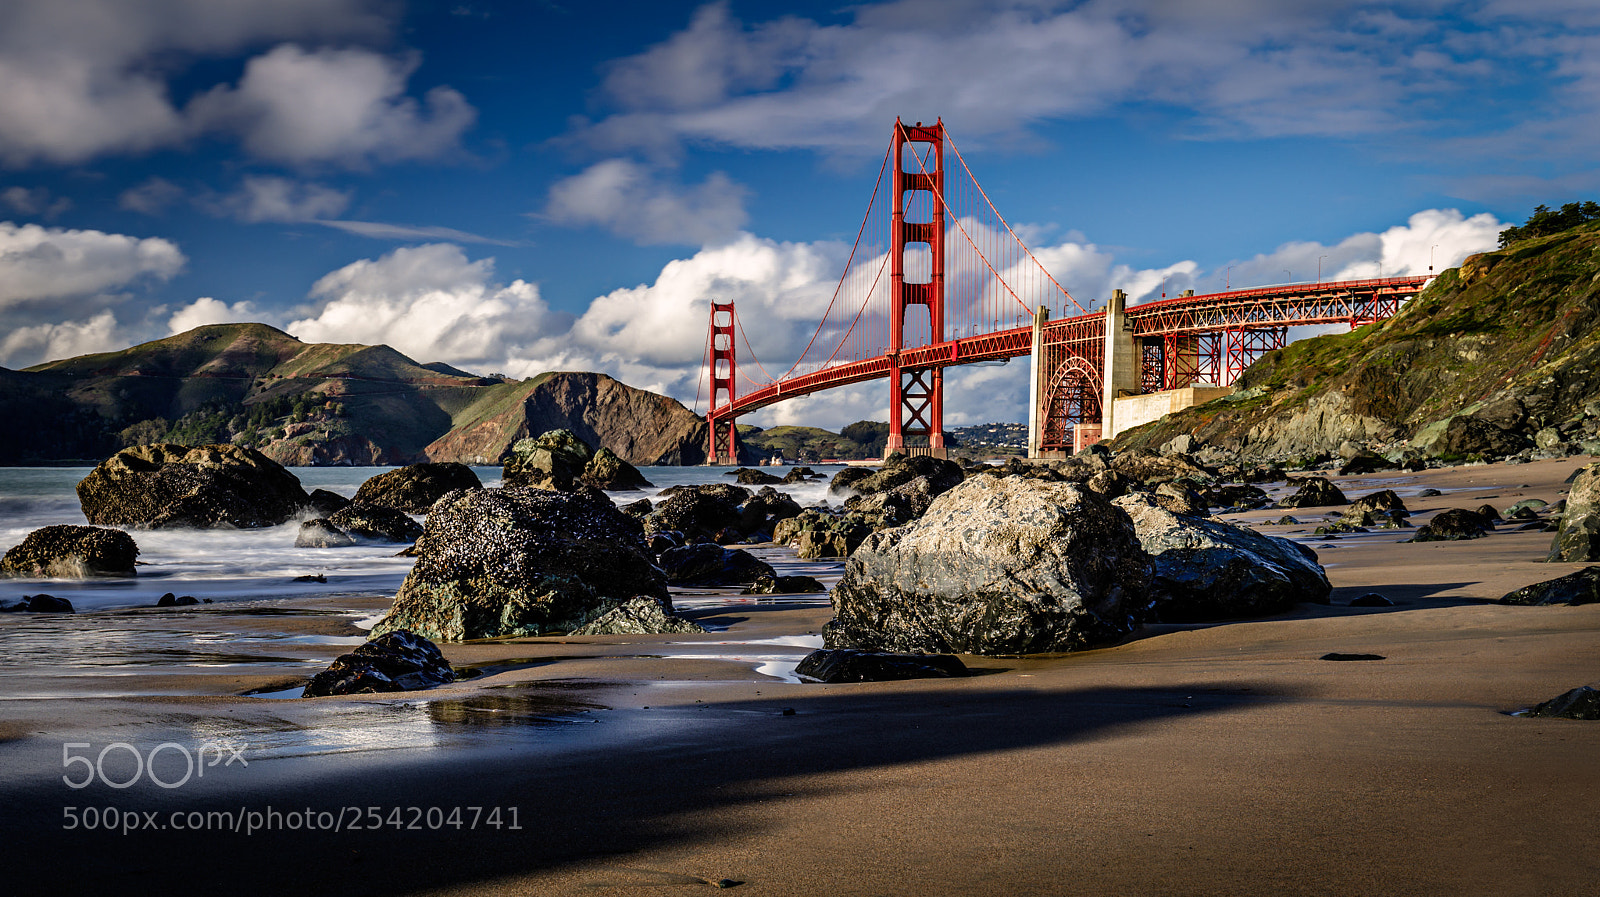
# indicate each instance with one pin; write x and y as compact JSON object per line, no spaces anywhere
{"x":1214,"y":759}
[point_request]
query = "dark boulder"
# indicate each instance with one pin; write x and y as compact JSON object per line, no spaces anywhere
{"x":1366,"y":462}
{"x":817,"y":534}
{"x":699,"y":512}
{"x":705,"y":564}
{"x":67,"y":551}
{"x":398,"y":660}
{"x":1465,"y":435}
{"x":784,"y":585}
{"x":37,"y":604}
{"x":1489,"y":513}
{"x":607,"y":470}
{"x":749,"y":476}
{"x":799,"y":475}
{"x":1578,"y":539}
{"x":1235,"y":495}
{"x":176,"y":486}
{"x":377,"y":522}
{"x":764,"y":509}
{"x":899,"y":469}
{"x":1582,"y":587}
{"x":1315,"y":492}
{"x":415,"y":487}
{"x":1453,"y":525}
{"x":1429,"y":493}
{"x":845,"y":480}
{"x":172,"y":599}
{"x":644,"y":615}
{"x":1581,"y":703}
{"x":846,"y":665}
{"x":321,"y":533}
{"x":640,"y":509}
{"x":1205,"y":570}
{"x":325,"y":504}
{"x":996,"y":566}
{"x":1371,"y":599}
{"x":496,"y":563}
{"x":1386,"y":500}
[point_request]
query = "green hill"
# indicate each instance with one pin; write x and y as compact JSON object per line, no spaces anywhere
{"x":1495,"y":358}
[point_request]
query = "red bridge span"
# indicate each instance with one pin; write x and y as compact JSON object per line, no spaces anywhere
{"x":937,"y":278}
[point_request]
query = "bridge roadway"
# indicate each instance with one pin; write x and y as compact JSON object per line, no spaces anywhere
{"x":1352,"y":302}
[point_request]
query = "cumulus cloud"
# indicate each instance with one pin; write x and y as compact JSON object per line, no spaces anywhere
{"x":630,"y":200}
{"x":207,"y":310}
{"x":40,"y":265}
{"x":85,"y":78}
{"x":341,"y":106}
{"x":262,"y":198}
{"x":24,"y":346}
{"x":432,"y":304}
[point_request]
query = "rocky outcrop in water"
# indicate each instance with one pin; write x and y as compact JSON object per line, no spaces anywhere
{"x":640,"y":616}
{"x":996,"y":566}
{"x":161,"y":486}
{"x":784,"y":585}
{"x":415,"y":487}
{"x":377,"y":523}
{"x":395,"y":661}
{"x":66,"y":551}
{"x":320,"y":533}
{"x":1206,"y":570}
{"x":37,"y":604}
{"x":561,"y":461}
{"x":495,"y":563}
{"x":701,"y":513}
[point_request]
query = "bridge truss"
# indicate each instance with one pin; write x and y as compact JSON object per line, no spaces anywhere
{"x":937,"y":278}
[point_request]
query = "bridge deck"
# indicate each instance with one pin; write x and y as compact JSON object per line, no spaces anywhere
{"x":1335,"y":302}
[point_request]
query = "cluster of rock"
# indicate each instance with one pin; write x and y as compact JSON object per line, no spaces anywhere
{"x":559,"y":460}
{"x":382,"y":508}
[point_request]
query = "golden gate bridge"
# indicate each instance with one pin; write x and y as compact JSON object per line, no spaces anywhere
{"x":937,"y":277}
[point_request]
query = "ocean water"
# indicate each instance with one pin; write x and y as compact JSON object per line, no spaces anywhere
{"x":256,"y":564}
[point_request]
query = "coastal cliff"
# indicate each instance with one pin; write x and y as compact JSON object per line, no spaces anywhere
{"x":1494,"y":358}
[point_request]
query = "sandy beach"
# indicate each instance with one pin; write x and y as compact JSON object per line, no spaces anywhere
{"x":1211,"y":759}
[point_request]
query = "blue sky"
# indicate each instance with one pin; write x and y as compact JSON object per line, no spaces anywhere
{"x":517,"y":186}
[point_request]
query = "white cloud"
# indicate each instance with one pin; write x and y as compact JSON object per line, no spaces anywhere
{"x":261,"y":198}
{"x":39,"y":264}
{"x":24,"y":346}
{"x":339,"y":106}
{"x":432,"y":304}
{"x":626,"y":198}
{"x":207,"y":310}
{"x":88,"y":77}
{"x":995,"y":69}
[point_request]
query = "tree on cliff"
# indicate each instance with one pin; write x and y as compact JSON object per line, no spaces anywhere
{"x":1544,"y":221}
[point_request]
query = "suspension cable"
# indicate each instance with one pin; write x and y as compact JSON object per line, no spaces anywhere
{"x":1007,"y":226}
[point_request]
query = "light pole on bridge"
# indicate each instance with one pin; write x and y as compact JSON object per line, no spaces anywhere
{"x":1319,"y":267}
